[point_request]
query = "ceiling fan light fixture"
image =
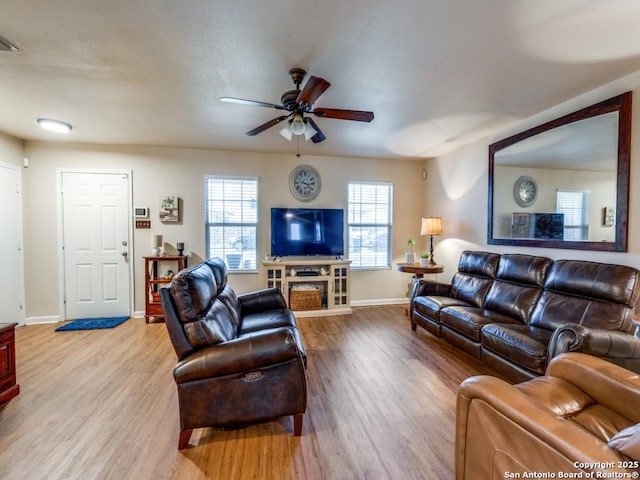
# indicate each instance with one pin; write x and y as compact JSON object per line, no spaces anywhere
{"x":309,"y":131}
{"x":298,"y":125}
{"x":54,"y":125}
{"x":286,"y":132}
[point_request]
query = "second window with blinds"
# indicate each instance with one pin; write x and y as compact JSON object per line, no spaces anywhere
{"x":369,"y":219}
{"x":231,"y":205}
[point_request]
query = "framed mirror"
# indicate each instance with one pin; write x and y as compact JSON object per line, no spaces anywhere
{"x":565,"y":183}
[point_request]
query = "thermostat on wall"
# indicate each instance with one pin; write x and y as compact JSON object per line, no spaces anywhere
{"x":141,"y":212}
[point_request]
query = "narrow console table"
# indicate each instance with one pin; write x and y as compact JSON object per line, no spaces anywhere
{"x":330,"y":277}
{"x":8,"y":386}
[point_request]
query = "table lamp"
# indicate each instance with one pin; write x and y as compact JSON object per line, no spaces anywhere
{"x":431,"y":226}
{"x":156,"y":244}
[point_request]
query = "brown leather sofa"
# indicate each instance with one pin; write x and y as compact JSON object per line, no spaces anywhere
{"x":516,"y":312}
{"x":241,"y":359}
{"x":580,"y":420}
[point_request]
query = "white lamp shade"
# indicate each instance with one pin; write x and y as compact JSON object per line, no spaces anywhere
{"x":156,"y":241}
{"x":431,"y":226}
{"x":286,"y":133}
{"x":309,"y":131}
{"x":297,"y":125}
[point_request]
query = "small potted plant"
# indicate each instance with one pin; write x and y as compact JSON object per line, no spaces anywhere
{"x":410,"y":257}
{"x":424,"y":258}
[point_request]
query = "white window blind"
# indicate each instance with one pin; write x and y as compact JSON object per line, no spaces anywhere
{"x":575,"y":207}
{"x":369,"y":222}
{"x":231,"y":206}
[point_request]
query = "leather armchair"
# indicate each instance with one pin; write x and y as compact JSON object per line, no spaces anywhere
{"x":574,"y":419}
{"x":241,"y":359}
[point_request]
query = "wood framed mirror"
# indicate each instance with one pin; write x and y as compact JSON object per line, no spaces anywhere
{"x":565,"y":183}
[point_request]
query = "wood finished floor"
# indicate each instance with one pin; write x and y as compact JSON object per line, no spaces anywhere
{"x":102,"y":404}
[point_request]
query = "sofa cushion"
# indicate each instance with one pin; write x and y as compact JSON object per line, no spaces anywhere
{"x":431,"y":306}
{"x":469,"y":321}
{"x":193,"y":289}
{"x":602,"y":281}
{"x":627,"y":441}
{"x":476,"y":271}
{"x":483,"y":264}
{"x":555,"y":309}
{"x":206,"y":319}
{"x":511,"y":299}
{"x":521,"y":344}
{"x":524,"y":269}
{"x":595,"y":294}
{"x":469,"y":288}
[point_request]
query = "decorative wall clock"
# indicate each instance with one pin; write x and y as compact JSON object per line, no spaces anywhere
{"x":525,"y":191}
{"x":304,"y":183}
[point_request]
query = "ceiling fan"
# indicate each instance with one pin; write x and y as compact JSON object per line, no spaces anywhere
{"x":299,"y":103}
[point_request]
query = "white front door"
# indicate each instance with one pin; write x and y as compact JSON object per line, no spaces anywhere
{"x":96,"y":244}
{"x":12,"y":271}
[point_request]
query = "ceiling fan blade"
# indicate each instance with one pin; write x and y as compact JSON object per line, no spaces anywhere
{"x":319,"y":136}
{"x":254,"y":103}
{"x":264,"y":126}
{"x":357,"y":115}
{"x":314,"y":87}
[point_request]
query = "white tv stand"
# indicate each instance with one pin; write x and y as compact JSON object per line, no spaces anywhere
{"x":330,"y":276}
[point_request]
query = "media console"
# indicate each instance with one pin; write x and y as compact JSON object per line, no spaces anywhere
{"x":331,"y":277}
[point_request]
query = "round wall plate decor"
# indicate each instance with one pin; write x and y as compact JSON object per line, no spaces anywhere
{"x":304,"y":183}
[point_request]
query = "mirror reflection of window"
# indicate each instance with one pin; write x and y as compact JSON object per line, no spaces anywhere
{"x":575,"y":207}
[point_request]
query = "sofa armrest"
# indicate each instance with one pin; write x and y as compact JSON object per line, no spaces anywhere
{"x":622,"y":348}
{"x":500,"y":429}
{"x":246,"y":353}
{"x":422,"y":287}
{"x":261,"y":300}
{"x":608,"y":384}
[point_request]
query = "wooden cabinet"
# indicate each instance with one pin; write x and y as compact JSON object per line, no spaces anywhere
{"x":330,"y":277}
{"x":155,"y":275}
{"x":8,"y":386}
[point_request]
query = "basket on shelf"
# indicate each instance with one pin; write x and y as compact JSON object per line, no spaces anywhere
{"x":305,"y":299}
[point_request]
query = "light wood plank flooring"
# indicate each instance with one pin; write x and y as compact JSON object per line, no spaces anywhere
{"x":102,"y":404}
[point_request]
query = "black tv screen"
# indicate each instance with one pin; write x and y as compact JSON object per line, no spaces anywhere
{"x":307,"y":231}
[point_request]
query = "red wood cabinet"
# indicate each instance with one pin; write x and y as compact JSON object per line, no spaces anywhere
{"x":8,"y":386}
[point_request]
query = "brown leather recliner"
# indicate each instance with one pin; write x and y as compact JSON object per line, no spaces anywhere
{"x":240,"y":358}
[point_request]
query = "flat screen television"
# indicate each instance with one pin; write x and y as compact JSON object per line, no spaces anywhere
{"x":307,"y":231}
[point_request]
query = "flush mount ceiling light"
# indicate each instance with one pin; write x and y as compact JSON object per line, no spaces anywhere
{"x":54,"y":125}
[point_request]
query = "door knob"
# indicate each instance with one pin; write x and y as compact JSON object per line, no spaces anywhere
{"x":124,"y":254}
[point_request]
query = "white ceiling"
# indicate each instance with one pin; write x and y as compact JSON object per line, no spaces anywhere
{"x":437,"y":73}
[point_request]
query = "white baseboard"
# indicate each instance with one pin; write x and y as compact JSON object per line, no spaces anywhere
{"x":381,"y":301}
{"x":138,"y":314}
{"x":42,"y":320}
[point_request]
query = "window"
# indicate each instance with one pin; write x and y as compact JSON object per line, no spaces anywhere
{"x":369,"y":222}
{"x":575,"y":207}
{"x":231,"y":206}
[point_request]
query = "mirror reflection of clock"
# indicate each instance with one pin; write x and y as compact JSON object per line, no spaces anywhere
{"x":525,"y":191}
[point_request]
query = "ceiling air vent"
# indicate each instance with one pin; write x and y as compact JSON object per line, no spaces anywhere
{"x":7,"y":46}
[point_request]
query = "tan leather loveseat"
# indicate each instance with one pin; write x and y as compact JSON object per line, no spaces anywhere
{"x":580,"y":420}
{"x":516,"y":312}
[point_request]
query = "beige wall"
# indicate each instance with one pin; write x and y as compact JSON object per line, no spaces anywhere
{"x":11,"y":150}
{"x":458,"y":181}
{"x":178,"y":171}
